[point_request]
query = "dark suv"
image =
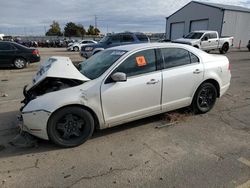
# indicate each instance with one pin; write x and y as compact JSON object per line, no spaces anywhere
{"x":112,"y":40}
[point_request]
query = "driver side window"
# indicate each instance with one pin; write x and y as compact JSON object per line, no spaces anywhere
{"x":139,"y":63}
{"x":206,"y":37}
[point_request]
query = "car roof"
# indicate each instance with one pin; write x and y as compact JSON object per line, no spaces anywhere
{"x":139,"y":46}
{"x":203,"y":31}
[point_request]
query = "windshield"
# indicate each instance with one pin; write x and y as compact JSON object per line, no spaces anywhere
{"x":193,"y":35}
{"x":104,"y":39}
{"x":96,"y":65}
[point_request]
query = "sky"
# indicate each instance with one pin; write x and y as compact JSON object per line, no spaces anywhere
{"x":30,"y":17}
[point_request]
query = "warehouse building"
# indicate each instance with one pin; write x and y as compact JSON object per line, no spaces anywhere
{"x":226,"y":19}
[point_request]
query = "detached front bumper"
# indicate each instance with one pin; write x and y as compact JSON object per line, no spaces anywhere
{"x":35,"y":123}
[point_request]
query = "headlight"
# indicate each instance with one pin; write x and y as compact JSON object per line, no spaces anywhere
{"x":89,"y":48}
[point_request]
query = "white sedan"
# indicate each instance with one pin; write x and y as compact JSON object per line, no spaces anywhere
{"x":119,"y":85}
{"x":77,"y":45}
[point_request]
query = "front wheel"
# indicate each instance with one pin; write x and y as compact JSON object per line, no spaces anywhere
{"x":224,"y":48}
{"x":70,"y":126}
{"x":76,"y":49}
{"x":204,"y":98}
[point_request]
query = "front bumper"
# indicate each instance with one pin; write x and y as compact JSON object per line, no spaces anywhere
{"x":35,"y":123}
{"x":70,"y":48}
{"x":86,"y":54}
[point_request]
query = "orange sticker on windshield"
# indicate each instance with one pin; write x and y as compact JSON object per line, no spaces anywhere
{"x":141,"y":61}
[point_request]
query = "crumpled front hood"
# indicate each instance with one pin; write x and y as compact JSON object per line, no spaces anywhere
{"x":58,"y":67}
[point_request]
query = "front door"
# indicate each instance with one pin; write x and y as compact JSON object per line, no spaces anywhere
{"x":139,"y":96}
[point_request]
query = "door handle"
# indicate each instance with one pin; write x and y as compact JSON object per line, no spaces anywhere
{"x":153,"y":81}
{"x":197,"y":71}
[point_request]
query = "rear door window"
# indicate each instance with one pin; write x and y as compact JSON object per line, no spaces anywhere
{"x":174,"y":57}
{"x":6,"y":46}
{"x":212,"y":35}
{"x":141,"y":37}
{"x":127,"y":38}
{"x":116,"y":39}
{"x":194,"y":58}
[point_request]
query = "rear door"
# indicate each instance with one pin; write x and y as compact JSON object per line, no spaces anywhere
{"x":182,"y":74}
{"x":7,"y":53}
{"x":139,"y":96}
{"x":213,"y":40}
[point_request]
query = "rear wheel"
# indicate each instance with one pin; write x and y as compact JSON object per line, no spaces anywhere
{"x":204,"y":99}
{"x":224,"y":49}
{"x":70,"y":126}
{"x":20,"y":63}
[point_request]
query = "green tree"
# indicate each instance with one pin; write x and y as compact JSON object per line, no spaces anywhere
{"x":81,"y":30}
{"x":97,"y":31}
{"x":71,"y":29}
{"x":93,"y":31}
{"x":54,"y":30}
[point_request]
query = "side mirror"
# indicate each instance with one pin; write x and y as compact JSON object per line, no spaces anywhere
{"x":119,"y":77}
{"x":205,"y":38}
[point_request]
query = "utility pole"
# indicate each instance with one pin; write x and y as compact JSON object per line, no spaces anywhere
{"x":45,"y":30}
{"x":95,"y":21}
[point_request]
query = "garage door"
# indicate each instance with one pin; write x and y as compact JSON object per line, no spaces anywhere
{"x":199,"y":25}
{"x":177,"y":30}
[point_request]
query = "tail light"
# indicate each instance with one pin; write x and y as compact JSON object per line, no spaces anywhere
{"x":229,"y":66}
{"x":35,"y":52}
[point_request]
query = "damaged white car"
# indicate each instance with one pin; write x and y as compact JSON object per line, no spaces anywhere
{"x":119,"y":85}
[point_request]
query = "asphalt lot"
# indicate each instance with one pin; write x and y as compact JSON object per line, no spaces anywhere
{"x":210,"y":150}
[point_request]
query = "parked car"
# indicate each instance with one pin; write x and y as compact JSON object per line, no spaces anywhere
{"x":207,"y":40}
{"x":248,"y":46}
{"x":13,"y":54}
{"x":119,"y":85}
{"x":112,"y":40}
{"x":77,"y":45}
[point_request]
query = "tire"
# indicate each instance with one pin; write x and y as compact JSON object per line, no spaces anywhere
{"x":76,"y":49}
{"x":204,"y":98}
{"x":20,"y":63}
{"x":197,"y":47}
{"x":70,"y":126}
{"x":224,"y":48}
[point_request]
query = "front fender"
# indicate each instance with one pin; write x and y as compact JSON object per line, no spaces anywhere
{"x":85,"y":95}
{"x":97,"y":50}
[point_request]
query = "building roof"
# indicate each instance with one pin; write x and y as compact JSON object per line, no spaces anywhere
{"x":225,"y":7}
{"x":216,"y":5}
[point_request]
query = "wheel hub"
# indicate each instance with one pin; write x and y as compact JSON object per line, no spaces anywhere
{"x":71,"y":126}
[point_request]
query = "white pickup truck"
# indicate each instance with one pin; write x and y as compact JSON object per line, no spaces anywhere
{"x":207,"y":40}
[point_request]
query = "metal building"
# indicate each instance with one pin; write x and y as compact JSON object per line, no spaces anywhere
{"x":226,"y":19}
